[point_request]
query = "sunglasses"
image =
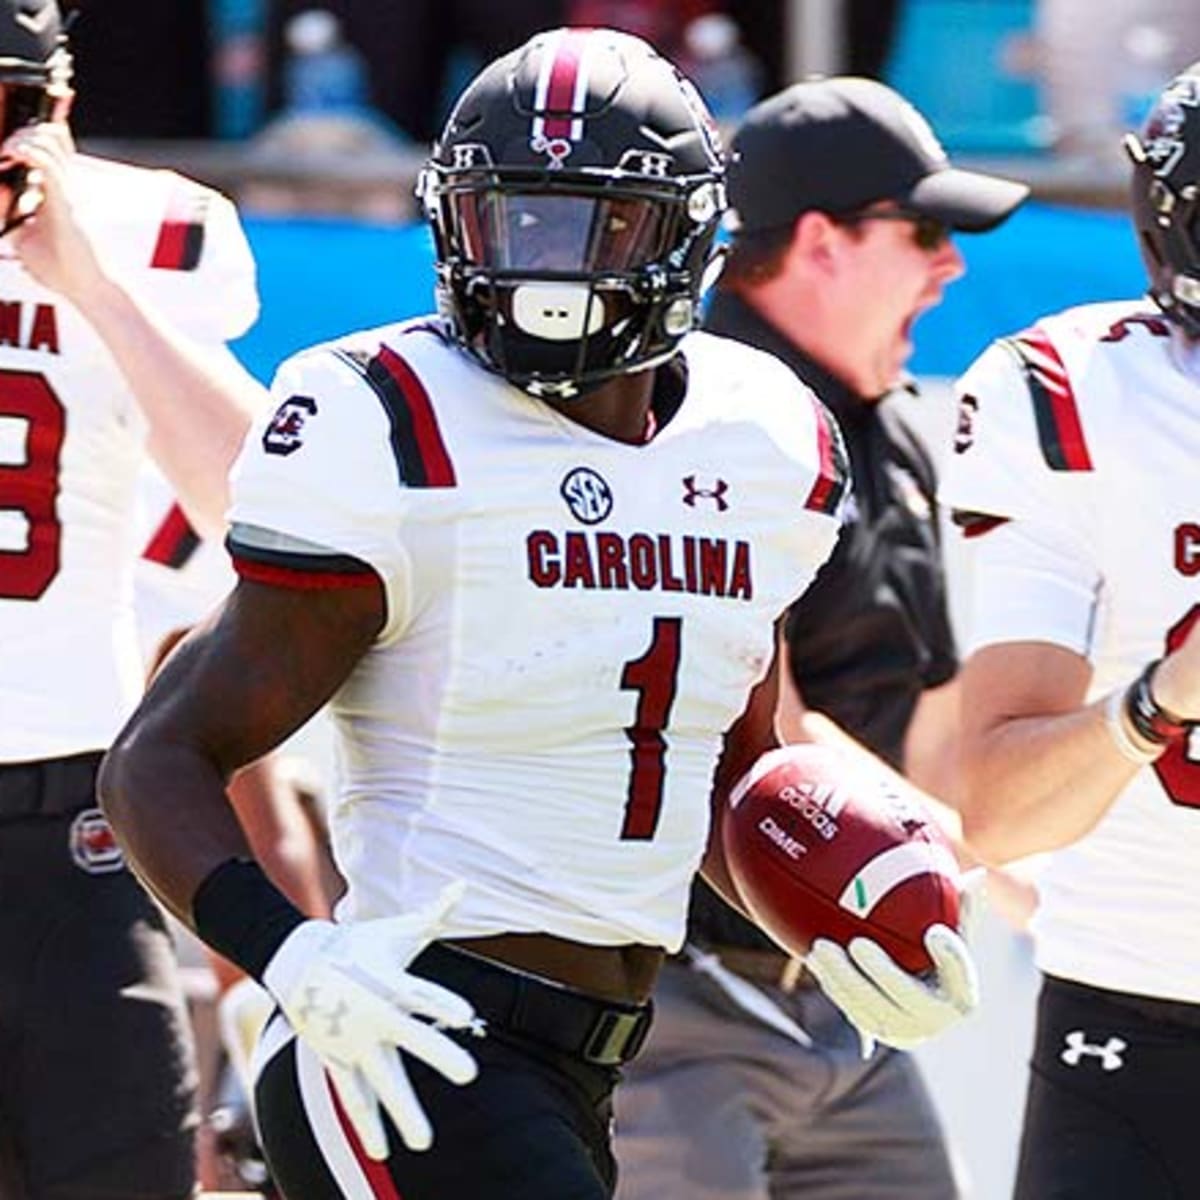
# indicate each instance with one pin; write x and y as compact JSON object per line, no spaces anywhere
{"x":928,"y":232}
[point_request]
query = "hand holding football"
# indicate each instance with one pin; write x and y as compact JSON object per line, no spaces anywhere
{"x":822,"y":847}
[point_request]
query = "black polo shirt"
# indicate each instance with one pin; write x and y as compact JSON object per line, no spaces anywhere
{"x":873,"y":630}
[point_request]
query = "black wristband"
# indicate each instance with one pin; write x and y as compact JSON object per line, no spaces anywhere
{"x":1152,"y":722}
{"x":241,"y":914}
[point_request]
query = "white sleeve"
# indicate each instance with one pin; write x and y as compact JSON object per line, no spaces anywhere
{"x":202,"y":273}
{"x":317,"y":476}
{"x":1030,"y":583}
{"x":1031,"y":548}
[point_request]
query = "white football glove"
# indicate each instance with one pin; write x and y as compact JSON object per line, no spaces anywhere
{"x":345,"y":991}
{"x":888,"y":1004}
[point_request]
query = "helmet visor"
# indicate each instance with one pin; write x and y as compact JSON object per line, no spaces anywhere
{"x":558,"y":233}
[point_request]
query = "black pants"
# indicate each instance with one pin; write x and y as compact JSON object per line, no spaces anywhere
{"x":96,"y":1068}
{"x":1114,"y":1093}
{"x":534,"y":1124}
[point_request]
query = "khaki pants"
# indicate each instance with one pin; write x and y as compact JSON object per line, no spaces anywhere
{"x":717,"y":1106}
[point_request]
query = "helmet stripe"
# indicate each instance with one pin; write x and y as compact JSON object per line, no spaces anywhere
{"x":561,"y":86}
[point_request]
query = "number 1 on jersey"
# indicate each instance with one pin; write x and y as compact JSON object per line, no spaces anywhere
{"x":654,"y":677}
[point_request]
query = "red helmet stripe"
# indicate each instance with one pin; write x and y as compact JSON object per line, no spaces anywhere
{"x":561,"y":86}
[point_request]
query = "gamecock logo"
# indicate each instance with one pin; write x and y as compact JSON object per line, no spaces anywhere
{"x":284,"y":434}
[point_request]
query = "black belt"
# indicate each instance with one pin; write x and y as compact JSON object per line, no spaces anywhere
{"x":602,"y":1032}
{"x":50,"y":787}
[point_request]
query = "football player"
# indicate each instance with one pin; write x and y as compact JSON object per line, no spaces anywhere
{"x":1074,"y":479}
{"x":532,"y":550}
{"x":118,"y":289}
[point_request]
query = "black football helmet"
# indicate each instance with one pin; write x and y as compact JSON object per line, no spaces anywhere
{"x":35,"y":79}
{"x":575,"y":195}
{"x":1165,"y":198}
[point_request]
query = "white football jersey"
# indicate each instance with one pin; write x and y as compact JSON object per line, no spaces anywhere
{"x":180,"y":577}
{"x":71,"y":443}
{"x":1084,"y":432}
{"x":572,"y":621}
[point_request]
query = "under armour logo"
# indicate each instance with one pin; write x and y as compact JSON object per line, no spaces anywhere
{"x":1078,"y":1047}
{"x":716,"y":493}
{"x":312,"y":1011}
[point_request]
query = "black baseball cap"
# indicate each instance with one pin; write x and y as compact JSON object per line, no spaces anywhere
{"x":841,"y":143}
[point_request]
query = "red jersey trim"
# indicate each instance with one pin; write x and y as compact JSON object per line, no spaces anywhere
{"x":301,"y":579}
{"x":1060,"y":431}
{"x":826,"y":492}
{"x":174,"y":541}
{"x":181,"y":234}
{"x":416,"y":438}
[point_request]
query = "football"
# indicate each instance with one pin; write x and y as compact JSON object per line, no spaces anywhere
{"x":820,"y":846}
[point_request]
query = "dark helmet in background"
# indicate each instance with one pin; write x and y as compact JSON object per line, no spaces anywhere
{"x":35,"y":82}
{"x":1166,"y":198}
{"x":575,"y":196}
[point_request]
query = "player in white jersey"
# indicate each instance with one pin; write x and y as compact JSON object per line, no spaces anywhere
{"x":1074,"y":479}
{"x":112,"y":280}
{"x":533,"y":550}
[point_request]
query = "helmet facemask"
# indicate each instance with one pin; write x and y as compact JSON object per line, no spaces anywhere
{"x":559,"y":287}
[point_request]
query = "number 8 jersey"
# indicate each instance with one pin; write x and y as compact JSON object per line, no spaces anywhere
{"x":71,"y":444}
{"x":572,"y":622}
{"x":1074,"y":478}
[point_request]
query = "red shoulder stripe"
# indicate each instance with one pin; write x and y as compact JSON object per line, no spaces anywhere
{"x":181,"y":234}
{"x":174,"y":541}
{"x":1060,"y":430}
{"x":416,"y":438}
{"x":826,"y":492}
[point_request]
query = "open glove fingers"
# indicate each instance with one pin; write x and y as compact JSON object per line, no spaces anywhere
{"x":955,"y":966}
{"x":431,"y":1046}
{"x":438,"y":1003}
{"x":361,"y":1108}
{"x":387,"y":1077}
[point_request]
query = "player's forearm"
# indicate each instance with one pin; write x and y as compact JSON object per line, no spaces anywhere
{"x":1040,"y":782}
{"x":168,"y":807}
{"x":197,"y":399}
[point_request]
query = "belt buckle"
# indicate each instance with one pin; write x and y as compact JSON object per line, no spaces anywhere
{"x":616,"y":1037}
